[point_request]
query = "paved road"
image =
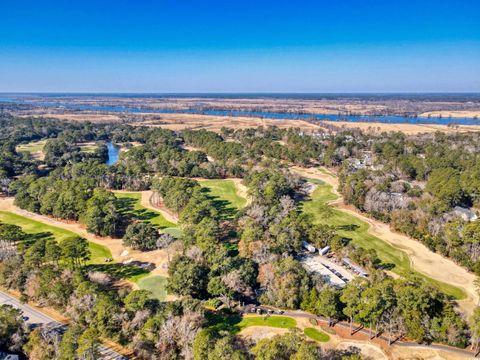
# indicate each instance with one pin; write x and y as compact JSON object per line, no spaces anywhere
{"x":34,"y":318}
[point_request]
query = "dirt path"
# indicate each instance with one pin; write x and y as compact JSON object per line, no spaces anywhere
{"x":147,"y":203}
{"x":422,"y":259}
{"x":159,"y":258}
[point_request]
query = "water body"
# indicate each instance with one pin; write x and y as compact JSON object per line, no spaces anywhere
{"x":113,"y":153}
{"x":387,"y":119}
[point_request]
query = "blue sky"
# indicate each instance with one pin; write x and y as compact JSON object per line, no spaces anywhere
{"x":240,"y":46}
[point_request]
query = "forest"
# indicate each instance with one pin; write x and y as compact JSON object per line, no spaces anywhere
{"x":426,"y":186}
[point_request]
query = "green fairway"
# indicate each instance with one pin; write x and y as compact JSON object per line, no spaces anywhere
{"x":351,"y":227}
{"x":156,"y":285}
{"x":283,"y":322}
{"x":316,"y":335}
{"x":225,"y":195}
{"x":234,"y":323}
{"x":40,"y":230}
{"x":130,"y":205}
{"x":32,"y":147}
{"x":88,"y":149}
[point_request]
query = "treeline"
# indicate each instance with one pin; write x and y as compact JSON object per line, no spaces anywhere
{"x":96,"y":308}
{"x":395,"y":307}
{"x":206,"y":269}
{"x":426,"y":187}
{"x":268,"y":235}
{"x":59,"y":152}
{"x":233,"y":149}
{"x":77,"y":200}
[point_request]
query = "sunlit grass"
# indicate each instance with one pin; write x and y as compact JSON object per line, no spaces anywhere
{"x":38,"y":230}
{"x":351,"y":227}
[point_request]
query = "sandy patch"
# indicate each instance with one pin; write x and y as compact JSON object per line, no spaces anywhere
{"x":425,"y":353}
{"x":368,"y":350}
{"x":423,"y":260}
{"x":256,"y":333}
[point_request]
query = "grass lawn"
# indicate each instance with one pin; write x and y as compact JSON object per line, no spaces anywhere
{"x":156,"y":284}
{"x":120,"y":271}
{"x":351,"y":227}
{"x":224,"y":193}
{"x":130,"y":205}
{"x":39,"y":230}
{"x":32,"y":147}
{"x":87,"y":148}
{"x":283,"y":322}
{"x":234,"y":323}
{"x":316,"y":335}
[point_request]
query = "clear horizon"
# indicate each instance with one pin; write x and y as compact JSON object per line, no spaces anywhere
{"x":250,"y":47}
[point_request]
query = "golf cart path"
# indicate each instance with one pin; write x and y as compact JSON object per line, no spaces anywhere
{"x":422,"y":259}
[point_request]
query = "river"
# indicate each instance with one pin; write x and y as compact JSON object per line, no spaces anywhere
{"x":387,"y":119}
{"x":113,"y":153}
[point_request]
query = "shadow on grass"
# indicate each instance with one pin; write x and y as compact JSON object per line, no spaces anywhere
{"x":224,"y":207}
{"x":29,"y":239}
{"x":224,"y":320}
{"x":348,"y":227}
{"x":119,"y":271}
{"x":126,"y":207}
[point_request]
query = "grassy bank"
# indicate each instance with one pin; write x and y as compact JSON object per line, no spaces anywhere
{"x":349,"y":226}
{"x":316,"y":335}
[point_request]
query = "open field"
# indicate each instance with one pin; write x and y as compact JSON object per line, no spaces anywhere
{"x":236,"y":323}
{"x":283,"y":322}
{"x":215,"y":123}
{"x":180,"y":121}
{"x":156,"y":284}
{"x":32,"y":147}
{"x":409,"y":129}
{"x":98,"y":252}
{"x":421,"y":258}
{"x":83,"y":116}
{"x":225,"y":194}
